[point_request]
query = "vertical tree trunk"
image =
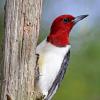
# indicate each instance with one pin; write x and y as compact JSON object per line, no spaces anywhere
{"x":22,"y":19}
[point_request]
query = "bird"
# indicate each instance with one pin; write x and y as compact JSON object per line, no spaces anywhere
{"x":54,"y":54}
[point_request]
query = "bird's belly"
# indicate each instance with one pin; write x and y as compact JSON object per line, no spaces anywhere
{"x":49,"y":67}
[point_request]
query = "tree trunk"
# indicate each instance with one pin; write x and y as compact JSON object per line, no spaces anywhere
{"x":22,"y":19}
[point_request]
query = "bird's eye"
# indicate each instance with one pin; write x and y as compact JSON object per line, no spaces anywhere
{"x":66,"y":20}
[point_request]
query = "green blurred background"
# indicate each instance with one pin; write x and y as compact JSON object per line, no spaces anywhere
{"x":82,"y":80}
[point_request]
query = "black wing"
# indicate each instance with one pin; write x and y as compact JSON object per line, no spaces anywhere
{"x":59,"y":77}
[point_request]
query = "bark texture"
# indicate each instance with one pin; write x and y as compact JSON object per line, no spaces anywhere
{"x":22,"y":19}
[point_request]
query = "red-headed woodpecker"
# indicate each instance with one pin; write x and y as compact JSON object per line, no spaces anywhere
{"x":54,"y":53}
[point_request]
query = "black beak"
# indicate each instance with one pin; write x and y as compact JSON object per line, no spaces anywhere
{"x":78,"y":18}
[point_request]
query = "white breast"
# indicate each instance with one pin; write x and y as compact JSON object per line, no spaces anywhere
{"x":50,"y":60}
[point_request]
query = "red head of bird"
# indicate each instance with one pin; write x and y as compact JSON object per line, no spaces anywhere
{"x":60,"y":29}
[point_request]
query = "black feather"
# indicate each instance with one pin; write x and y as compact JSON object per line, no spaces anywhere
{"x":60,"y":75}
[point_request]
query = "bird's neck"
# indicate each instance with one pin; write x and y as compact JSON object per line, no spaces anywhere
{"x":59,"y":39}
